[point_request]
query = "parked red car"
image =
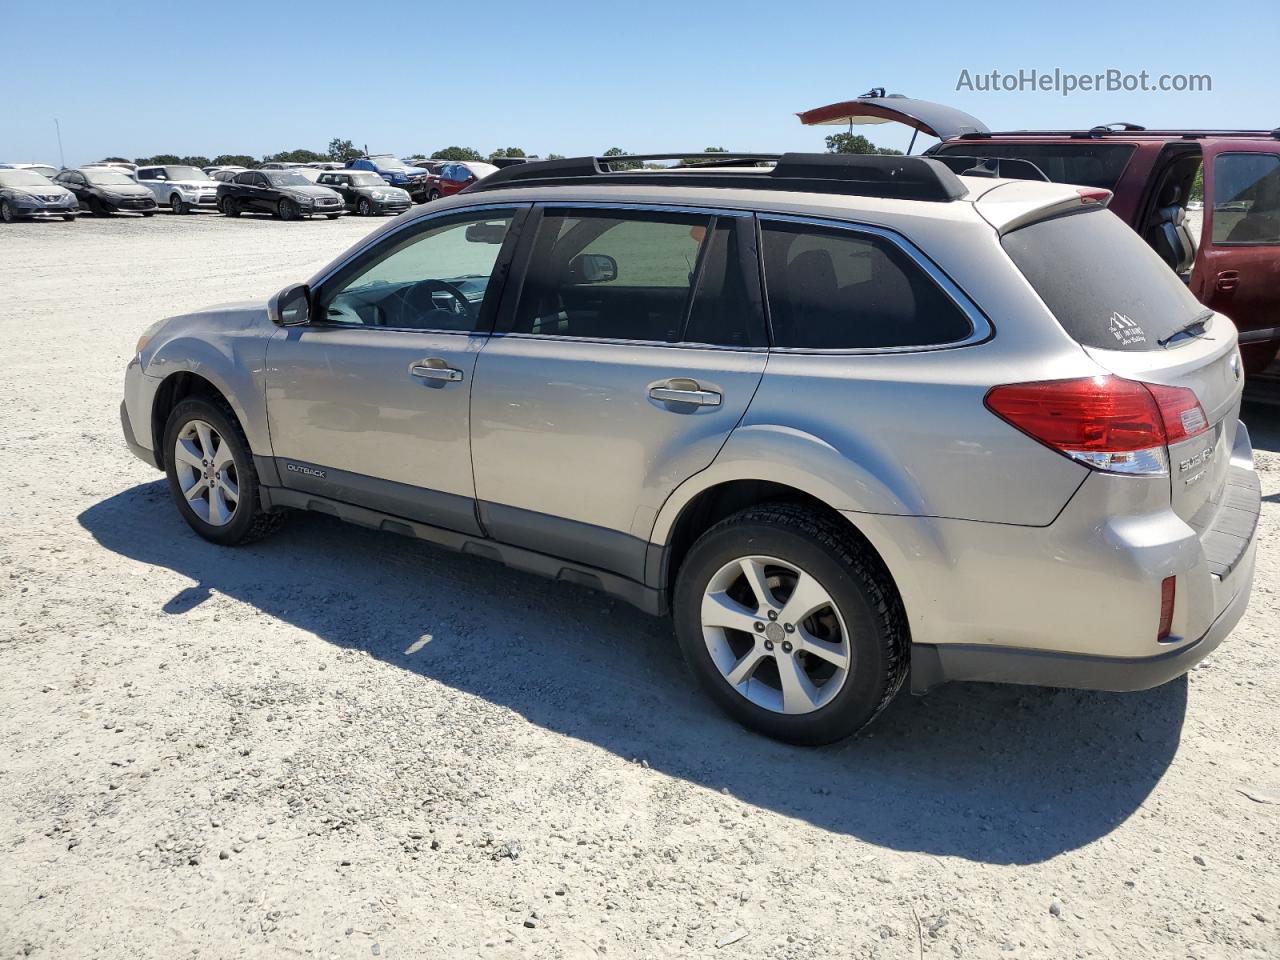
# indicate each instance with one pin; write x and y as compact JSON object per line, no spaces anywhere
{"x":1232,"y":266}
{"x":457,"y":176}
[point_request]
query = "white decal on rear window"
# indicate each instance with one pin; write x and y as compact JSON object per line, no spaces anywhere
{"x":1125,"y":330}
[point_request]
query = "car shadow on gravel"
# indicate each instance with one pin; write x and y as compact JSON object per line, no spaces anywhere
{"x":984,"y":772}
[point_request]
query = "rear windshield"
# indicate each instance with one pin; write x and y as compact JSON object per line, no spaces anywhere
{"x":1089,"y":165}
{"x":1107,"y":288}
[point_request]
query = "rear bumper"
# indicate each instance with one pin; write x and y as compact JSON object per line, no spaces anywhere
{"x":936,"y":664}
{"x":1075,"y":603}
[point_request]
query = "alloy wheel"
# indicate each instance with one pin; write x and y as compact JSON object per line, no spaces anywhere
{"x":6,"y":212}
{"x":206,"y":473}
{"x":776,"y":635}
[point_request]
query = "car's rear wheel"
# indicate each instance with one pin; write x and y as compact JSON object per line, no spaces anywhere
{"x":178,"y":206}
{"x":7,"y":213}
{"x":288,"y":210}
{"x":364,"y":208}
{"x":229,"y":207}
{"x":791,"y":624}
{"x":211,"y":473}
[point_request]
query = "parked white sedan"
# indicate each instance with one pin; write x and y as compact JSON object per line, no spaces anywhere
{"x":180,"y":187}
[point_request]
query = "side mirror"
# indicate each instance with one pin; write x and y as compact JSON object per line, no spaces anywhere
{"x":291,"y":307}
{"x":592,"y":268}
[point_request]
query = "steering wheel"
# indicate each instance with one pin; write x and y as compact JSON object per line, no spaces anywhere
{"x":421,"y":300}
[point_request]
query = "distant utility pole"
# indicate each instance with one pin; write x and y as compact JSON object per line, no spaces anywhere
{"x":62,"y":161}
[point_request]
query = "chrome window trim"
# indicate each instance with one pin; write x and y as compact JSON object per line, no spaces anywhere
{"x":641,"y":205}
{"x":981,"y":331}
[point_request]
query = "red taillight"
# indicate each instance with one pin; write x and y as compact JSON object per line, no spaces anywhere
{"x":1168,"y":591}
{"x":1181,"y":412}
{"x":1106,"y":422}
{"x":1094,"y":195}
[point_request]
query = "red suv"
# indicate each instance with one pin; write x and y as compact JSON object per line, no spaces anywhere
{"x":1231,"y":262}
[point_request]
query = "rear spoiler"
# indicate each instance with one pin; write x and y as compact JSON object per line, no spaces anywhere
{"x":1017,"y":203}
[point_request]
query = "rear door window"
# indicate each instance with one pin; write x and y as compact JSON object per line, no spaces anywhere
{"x":631,"y":275}
{"x":1106,"y":287}
{"x":842,"y":289}
{"x":1086,"y":164}
{"x":1246,"y":201}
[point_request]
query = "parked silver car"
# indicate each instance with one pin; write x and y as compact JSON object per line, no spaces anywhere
{"x":180,"y":187}
{"x":846,"y":418}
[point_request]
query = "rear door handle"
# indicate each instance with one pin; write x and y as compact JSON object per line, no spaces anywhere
{"x":685,"y":391}
{"x":435,"y":368}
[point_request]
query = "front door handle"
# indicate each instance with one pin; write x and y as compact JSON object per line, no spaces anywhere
{"x":435,"y":368}
{"x":1228,"y":280}
{"x":685,"y":391}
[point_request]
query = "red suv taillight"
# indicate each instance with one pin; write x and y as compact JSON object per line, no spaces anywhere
{"x":1107,"y":423}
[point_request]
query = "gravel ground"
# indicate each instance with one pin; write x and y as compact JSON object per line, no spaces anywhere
{"x":338,"y":743}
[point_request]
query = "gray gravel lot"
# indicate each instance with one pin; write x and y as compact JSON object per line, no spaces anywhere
{"x":337,"y":743}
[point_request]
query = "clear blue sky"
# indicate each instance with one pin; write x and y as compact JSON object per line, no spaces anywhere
{"x":224,"y":76}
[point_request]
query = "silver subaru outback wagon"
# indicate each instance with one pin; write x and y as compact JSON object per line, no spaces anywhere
{"x":846,"y":419}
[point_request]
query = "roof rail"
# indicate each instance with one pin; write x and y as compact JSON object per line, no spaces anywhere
{"x":865,"y":175}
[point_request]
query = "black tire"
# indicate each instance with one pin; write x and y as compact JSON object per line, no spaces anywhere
{"x":287,"y":210}
{"x":69,"y":217}
{"x":229,"y":207}
{"x":148,"y":213}
{"x":332,"y":216}
{"x":178,"y":205}
{"x":433,"y":195}
{"x":364,"y":208}
{"x":98,"y":209}
{"x":249,"y":522}
{"x":7,"y":213}
{"x":856,"y":581}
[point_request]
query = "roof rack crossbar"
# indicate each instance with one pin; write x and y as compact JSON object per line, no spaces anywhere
{"x":868,"y":175}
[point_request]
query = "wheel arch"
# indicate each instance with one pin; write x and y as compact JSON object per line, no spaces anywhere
{"x":173,"y":389}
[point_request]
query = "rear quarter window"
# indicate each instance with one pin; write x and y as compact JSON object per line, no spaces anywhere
{"x":1104,"y":285}
{"x":843,"y":289}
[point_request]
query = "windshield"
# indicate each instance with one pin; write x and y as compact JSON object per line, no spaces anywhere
{"x":1107,"y":288}
{"x":185,"y":173}
{"x":22,"y":178}
{"x":367,"y":180}
{"x":481,"y":169}
{"x":287,"y":178}
{"x":99,"y":175}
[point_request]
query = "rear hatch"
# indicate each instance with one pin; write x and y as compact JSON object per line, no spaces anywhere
{"x":1131,"y":314}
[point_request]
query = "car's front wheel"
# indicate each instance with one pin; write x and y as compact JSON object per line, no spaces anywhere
{"x":7,"y":213}
{"x":433,"y":195}
{"x":791,"y":624}
{"x":229,"y":207}
{"x":178,"y":205}
{"x":211,"y":473}
{"x":364,"y":208}
{"x":99,"y":209}
{"x":288,"y":210}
